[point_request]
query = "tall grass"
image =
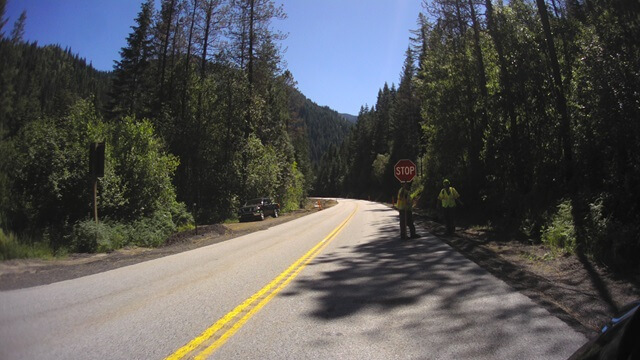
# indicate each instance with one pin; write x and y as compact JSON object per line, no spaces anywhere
{"x":12,"y":248}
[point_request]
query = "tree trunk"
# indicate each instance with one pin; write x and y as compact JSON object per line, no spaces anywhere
{"x":205,"y":42}
{"x":505,"y":84}
{"x":478,"y":133}
{"x":165,"y":47}
{"x":187,"y":66}
{"x":174,"y":50}
{"x":558,"y":89}
{"x":249,"y":120}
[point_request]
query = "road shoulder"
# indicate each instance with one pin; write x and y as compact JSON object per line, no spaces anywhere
{"x":25,"y":273}
{"x":576,"y":290}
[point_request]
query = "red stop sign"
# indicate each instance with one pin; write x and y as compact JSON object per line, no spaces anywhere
{"x":404,"y":170}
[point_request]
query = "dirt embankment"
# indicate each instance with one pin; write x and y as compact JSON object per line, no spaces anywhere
{"x":572,"y":287}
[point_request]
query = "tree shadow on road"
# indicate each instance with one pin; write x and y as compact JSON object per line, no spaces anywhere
{"x":386,"y":274}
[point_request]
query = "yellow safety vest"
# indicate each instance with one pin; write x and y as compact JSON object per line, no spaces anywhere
{"x":404,"y":200}
{"x":448,"y":198}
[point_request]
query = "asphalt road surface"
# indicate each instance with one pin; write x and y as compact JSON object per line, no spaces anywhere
{"x":337,"y":284}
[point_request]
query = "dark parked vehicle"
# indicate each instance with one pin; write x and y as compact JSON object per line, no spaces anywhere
{"x":258,"y":209}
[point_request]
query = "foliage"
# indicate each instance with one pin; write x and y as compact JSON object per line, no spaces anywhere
{"x":126,"y":93}
{"x":560,"y":234}
{"x":49,"y":183}
{"x":49,"y":187}
{"x":523,"y":105}
{"x":36,"y":81}
{"x":151,"y":231}
{"x":262,"y":169}
{"x":193,"y":125}
{"x":13,"y":248}
{"x":294,"y":194}
{"x":379,"y":167}
{"x":322,"y":126}
{"x":141,"y":168}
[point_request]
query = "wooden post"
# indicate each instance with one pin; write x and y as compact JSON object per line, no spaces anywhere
{"x":95,"y":199}
{"x":195,"y":221}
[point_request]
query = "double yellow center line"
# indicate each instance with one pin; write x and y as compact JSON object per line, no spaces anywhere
{"x":216,"y":335}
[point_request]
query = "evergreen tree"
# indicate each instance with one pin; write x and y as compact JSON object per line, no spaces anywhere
{"x":250,"y":31}
{"x":558,"y":90}
{"x":131,"y":73}
{"x":406,"y":114}
{"x":17,"y":33}
{"x":163,"y":34}
{"x":3,"y":20}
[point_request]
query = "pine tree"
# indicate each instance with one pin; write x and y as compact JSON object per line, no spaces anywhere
{"x":558,"y":90}
{"x":406,"y":114}
{"x":130,"y":94}
{"x":3,"y":20}
{"x":17,"y":33}
{"x":249,"y":32}
{"x":164,"y":30}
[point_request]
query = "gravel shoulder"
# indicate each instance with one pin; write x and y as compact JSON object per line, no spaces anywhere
{"x":24,"y":273}
{"x":573,"y":288}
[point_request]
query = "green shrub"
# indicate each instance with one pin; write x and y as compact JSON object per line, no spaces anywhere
{"x":46,"y":193}
{"x":294,"y":192}
{"x":141,"y":172}
{"x":262,"y":169}
{"x":152,"y":231}
{"x":180,"y":216}
{"x":105,"y":236}
{"x":596,"y":227}
{"x":12,"y":248}
{"x":560,"y":234}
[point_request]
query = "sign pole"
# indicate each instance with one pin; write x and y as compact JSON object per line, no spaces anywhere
{"x":95,"y":199}
{"x":405,"y":217}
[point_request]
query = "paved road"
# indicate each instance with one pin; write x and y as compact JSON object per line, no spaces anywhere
{"x":337,"y":284}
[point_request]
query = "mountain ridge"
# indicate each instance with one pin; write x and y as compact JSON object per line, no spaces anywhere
{"x":350,"y":118}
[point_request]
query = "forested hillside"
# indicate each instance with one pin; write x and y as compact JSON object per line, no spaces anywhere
{"x":324,"y":126}
{"x":529,"y":107}
{"x":197,"y":116}
{"x":350,"y":118}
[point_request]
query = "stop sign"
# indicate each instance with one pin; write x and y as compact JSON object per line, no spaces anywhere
{"x":404,"y":170}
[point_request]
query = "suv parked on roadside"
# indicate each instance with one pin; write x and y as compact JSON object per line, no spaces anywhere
{"x":258,"y":209}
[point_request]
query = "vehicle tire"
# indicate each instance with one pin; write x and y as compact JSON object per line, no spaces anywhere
{"x":261,"y":216}
{"x":275,"y":213}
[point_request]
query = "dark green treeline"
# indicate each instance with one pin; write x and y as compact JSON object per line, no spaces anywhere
{"x":531,"y":108}
{"x":198,"y":115}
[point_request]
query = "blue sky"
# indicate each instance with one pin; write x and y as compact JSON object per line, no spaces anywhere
{"x":339,"y":51}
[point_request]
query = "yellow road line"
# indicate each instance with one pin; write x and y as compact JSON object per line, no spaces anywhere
{"x":288,"y":275}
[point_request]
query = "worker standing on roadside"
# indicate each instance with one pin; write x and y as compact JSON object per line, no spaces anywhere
{"x":405,"y":206}
{"x":448,"y":198}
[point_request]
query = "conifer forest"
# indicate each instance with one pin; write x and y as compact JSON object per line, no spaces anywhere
{"x":531,"y":108}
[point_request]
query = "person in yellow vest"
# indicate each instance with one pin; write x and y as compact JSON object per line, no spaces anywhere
{"x":448,"y":198}
{"x":405,"y":206}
